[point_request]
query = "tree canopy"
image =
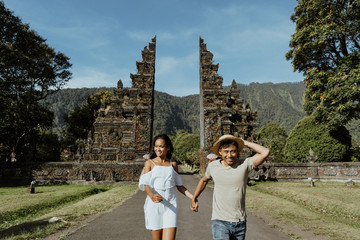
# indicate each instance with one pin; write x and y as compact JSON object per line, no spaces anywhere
{"x":328,"y":146}
{"x":326,"y":48}
{"x":273,"y":137}
{"x":30,"y":70}
{"x":81,"y":119}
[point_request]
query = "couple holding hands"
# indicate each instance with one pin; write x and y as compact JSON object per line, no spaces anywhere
{"x":229,"y":173}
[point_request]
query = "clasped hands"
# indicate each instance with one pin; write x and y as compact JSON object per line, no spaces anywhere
{"x":194,"y":205}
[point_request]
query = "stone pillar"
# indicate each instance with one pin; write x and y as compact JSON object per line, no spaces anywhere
{"x":221,"y":111}
{"x":123,"y":130}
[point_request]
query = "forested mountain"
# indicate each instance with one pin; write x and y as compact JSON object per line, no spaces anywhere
{"x":173,"y":113}
{"x":280,"y":103}
{"x":65,"y":100}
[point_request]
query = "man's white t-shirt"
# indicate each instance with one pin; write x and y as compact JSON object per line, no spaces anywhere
{"x":229,"y":189}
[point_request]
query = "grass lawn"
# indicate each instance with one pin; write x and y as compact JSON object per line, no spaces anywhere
{"x":25,"y":216}
{"x":329,"y":209}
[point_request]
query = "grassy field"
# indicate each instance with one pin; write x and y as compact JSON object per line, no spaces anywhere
{"x":329,"y":209}
{"x":25,"y":216}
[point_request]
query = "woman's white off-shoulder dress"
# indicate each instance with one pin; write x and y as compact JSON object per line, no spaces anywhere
{"x":162,"y":180}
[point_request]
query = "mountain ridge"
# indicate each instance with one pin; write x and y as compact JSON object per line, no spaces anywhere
{"x":274,"y":102}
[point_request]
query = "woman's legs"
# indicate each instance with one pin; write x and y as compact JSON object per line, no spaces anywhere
{"x":164,"y":234}
{"x":169,"y":233}
{"x":156,"y":234}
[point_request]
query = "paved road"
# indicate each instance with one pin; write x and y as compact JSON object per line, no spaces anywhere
{"x":126,"y":222}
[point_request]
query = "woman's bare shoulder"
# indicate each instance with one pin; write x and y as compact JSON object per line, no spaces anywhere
{"x":148,"y":166}
{"x":174,"y":165}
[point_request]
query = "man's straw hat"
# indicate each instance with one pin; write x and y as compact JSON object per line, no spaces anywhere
{"x":227,"y":137}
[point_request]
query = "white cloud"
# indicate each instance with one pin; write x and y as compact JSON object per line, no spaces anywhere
{"x":166,"y":65}
{"x":172,"y":65}
{"x":178,"y":76}
{"x":140,"y":35}
{"x":91,"y":77}
{"x":166,"y":36}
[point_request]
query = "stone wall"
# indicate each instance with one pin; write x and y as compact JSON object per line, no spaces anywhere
{"x":112,"y":173}
{"x":70,"y":173}
{"x":221,"y":111}
{"x":303,"y":171}
{"x":123,"y":129}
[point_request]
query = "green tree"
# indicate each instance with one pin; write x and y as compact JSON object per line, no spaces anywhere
{"x":79,"y":122}
{"x":328,"y":146}
{"x":273,"y":137}
{"x":186,"y":147}
{"x":48,"y":147}
{"x":355,"y":150}
{"x":30,"y":70}
{"x":326,"y":48}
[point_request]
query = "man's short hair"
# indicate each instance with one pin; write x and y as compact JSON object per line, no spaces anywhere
{"x":227,"y":143}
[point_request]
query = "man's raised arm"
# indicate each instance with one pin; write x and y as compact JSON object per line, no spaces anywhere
{"x":261,"y":152}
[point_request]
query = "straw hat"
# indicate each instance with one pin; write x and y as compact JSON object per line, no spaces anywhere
{"x":227,"y":137}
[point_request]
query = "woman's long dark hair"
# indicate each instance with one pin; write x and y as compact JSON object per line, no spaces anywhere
{"x":167,"y":143}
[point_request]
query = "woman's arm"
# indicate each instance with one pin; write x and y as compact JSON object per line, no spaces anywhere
{"x":154,"y":197}
{"x":175,"y":166}
{"x":184,"y":191}
{"x":147,"y":167}
{"x":182,"y":188}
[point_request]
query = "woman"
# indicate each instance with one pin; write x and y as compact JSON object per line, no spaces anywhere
{"x":159,"y":181}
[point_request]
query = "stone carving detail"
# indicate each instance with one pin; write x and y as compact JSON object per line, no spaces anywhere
{"x":221,"y":111}
{"x":330,"y":172}
{"x":283,"y":172}
{"x":350,"y":172}
{"x":123,"y":130}
{"x":301,"y":172}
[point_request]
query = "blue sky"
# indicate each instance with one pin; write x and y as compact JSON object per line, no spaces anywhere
{"x":104,"y":39}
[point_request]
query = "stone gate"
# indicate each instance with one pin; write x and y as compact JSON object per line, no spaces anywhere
{"x":221,"y":111}
{"x":123,"y":129}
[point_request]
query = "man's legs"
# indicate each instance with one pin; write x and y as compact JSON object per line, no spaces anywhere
{"x":223,"y":230}
{"x":220,"y":230}
{"x":239,"y":231}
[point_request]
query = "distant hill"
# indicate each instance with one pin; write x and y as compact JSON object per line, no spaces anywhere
{"x":280,"y":103}
{"x":65,"y":100}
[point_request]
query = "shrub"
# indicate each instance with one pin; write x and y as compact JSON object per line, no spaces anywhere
{"x":273,"y":137}
{"x":185,"y":146}
{"x":355,"y":150}
{"x":328,"y":146}
{"x":193,"y":157}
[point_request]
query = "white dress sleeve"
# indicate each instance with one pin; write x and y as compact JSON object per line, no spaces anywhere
{"x":145,"y":179}
{"x":178,"y":181}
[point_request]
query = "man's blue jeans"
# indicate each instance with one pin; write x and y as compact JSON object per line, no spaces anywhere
{"x":223,"y":230}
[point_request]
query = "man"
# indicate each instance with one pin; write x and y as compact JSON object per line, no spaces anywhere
{"x":230,"y":176}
